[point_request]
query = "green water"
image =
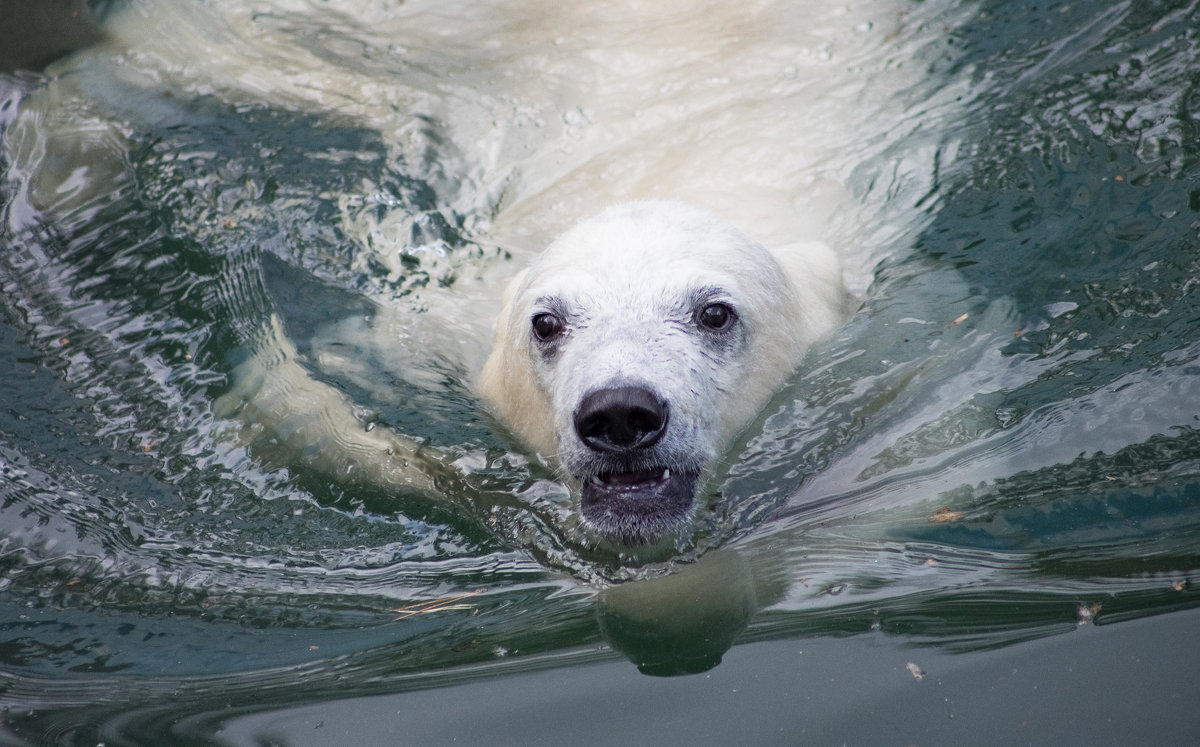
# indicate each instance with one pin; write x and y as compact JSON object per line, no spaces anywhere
{"x":1027,"y":360}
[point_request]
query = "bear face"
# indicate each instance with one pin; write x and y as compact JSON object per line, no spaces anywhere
{"x":636,"y":347}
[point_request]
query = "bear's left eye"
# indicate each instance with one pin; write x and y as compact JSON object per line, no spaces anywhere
{"x":547,"y":326}
{"x":716,"y":316}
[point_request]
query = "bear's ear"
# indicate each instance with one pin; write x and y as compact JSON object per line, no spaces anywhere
{"x":815,"y":272}
{"x":510,"y":290}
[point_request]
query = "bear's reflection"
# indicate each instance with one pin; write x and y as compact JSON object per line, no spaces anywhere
{"x":684,"y":623}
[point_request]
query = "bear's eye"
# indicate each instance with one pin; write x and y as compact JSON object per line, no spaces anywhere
{"x":716,"y":316}
{"x":547,"y":326}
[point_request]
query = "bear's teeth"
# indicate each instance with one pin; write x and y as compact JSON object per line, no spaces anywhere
{"x":629,"y":479}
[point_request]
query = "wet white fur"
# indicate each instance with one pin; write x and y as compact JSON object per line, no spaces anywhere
{"x":629,"y":279}
{"x":757,"y":111}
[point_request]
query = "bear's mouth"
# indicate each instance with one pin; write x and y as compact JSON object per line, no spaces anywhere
{"x":638,"y":506}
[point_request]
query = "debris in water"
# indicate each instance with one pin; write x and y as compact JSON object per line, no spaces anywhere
{"x":945,"y":513}
{"x":1086,"y":613}
{"x":437,"y":605}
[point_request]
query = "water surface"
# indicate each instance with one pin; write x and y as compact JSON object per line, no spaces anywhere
{"x":997,"y":458}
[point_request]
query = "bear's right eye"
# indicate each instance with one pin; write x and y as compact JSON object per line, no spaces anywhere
{"x":547,"y":326}
{"x":716,"y":316}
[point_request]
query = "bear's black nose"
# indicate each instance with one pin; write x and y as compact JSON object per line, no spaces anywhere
{"x":621,"y":419}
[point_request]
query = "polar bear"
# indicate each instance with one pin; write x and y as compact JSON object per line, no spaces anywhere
{"x":628,"y":354}
{"x":641,"y":342}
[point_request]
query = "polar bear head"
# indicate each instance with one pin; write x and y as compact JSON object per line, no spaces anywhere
{"x":640,"y":343}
